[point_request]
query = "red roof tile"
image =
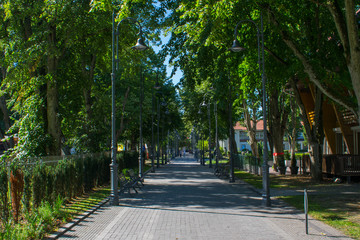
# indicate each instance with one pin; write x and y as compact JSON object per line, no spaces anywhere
{"x":259,"y":126}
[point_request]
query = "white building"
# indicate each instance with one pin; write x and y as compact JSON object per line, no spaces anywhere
{"x":242,"y":138}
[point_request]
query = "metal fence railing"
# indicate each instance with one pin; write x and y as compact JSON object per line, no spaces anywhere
{"x":247,"y":163}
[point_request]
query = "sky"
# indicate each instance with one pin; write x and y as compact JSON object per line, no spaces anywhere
{"x":178,"y":74}
{"x":164,"y":40}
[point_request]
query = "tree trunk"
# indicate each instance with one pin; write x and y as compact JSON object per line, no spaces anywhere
{"x":251,"y":128}
{"x":348,"y":32}
{"x":119,"y":132}
{"x":278,"y":115}
{"x":233,"y":146}
{"x":89,"y":76}
{"x":53,"y":122}
{"x":318,"y":134}
{"x":292,"y":136}
{"x":5,"y":111}
{"x":52,"y":118}
{"x":313,"y":133}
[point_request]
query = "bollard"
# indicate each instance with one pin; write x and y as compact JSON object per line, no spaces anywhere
{"x":306,"y":211}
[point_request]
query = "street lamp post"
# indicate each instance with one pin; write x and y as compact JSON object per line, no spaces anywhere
{"x":140,"y":45}
{"x":216,"y":136}
{"x":208,"y":110}
{"x":236,"y":48}
{"x":208,"y":105}
{"x":152,"y":132}
{"x":158,"y":133}
{"x":168,"y":147}
{"x":202,"y":160}
{"x":141,"y":152}
{"x":232,"y":176}
{"x":156,"y":87}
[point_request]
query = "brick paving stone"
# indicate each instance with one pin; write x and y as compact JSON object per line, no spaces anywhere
{"x":184,"y":201}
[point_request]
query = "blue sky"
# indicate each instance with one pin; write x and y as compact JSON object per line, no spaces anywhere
{"x":178,"y":74}
{"x":164,"y":40}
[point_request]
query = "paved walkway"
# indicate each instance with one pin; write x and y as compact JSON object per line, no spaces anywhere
{"x":184,"y":200}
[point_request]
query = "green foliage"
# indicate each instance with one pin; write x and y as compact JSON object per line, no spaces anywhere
{"x":90,"y":171}
{"x":202,"y":144}
{"x":287,"y":155}
{"x":46,"y":186}
{"x":4,"y":197}
{"x":79,"y":177}
{"x":39,"y":184}
{"x":128,"y":159}
{"x":36,"y":224}
{"x":27,"y":189}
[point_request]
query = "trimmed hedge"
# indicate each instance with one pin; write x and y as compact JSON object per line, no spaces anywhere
{"x":44,"y":183}
{"x":4,"y":194}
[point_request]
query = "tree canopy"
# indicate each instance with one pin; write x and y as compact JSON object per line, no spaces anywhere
{"x":56,"y":63}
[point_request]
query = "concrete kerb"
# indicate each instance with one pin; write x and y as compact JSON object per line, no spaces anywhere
{"x":62,"y":230}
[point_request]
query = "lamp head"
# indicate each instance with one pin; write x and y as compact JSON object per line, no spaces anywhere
{"x":236,"y":46}
{"x":203,"y":104}
{"x":157,"y":86}
{"x":140,"y":45}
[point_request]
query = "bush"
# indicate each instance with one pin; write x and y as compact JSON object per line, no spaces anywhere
{"x":59,"y":178}
{"x":79,"y":177}
{"x":287,"y":155}
{"x":128,"y":159}
{"x":89,"y":172}
{"x":4,"y":199}
{"x":41,"y":188}
{"x":27,"y":189}
{"x":39,"y":184}
{"x":16,"y":188}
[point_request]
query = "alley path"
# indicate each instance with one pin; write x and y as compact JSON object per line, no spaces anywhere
{"x":184,"y":200}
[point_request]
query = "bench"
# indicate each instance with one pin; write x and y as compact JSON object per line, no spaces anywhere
{"x":139,"y":181}
{"x":222,"y":171}
{"x":126,"y":184}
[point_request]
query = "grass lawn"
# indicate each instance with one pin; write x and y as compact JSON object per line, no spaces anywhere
{"x":339,"y":211}
{"x":87,"y":201}
{"x":327,"y":204}
{"x":223,"y":161}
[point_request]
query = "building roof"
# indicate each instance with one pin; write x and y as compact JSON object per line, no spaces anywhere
{"x":259,"y":126}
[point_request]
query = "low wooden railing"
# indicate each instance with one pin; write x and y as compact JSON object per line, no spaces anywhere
{"x":341,"y":164}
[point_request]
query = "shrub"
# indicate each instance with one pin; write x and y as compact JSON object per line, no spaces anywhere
{"x":60,"y":179}
{"x":89,"y":171}
{"x":39,"y":183}
{"x":27,"y":189}
{"x":17,"y":188}
{"x":4,"y":199}
{"x":130,"y":159}
{"x":71,"y":178}
{"x":79,"y":176}
{"x":287,"y":155}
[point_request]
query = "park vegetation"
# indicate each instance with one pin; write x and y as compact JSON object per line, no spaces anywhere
{"x":55,"y":97}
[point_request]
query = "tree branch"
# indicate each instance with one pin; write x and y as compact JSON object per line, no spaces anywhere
{"x":279,"y":59}
{"x":338,"y":17}
{"x":308,"y":68}
{"x":352,"y":30}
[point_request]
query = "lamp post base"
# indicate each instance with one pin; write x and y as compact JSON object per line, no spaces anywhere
{"x":114,"y":196}
{"x":266,"y":186}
